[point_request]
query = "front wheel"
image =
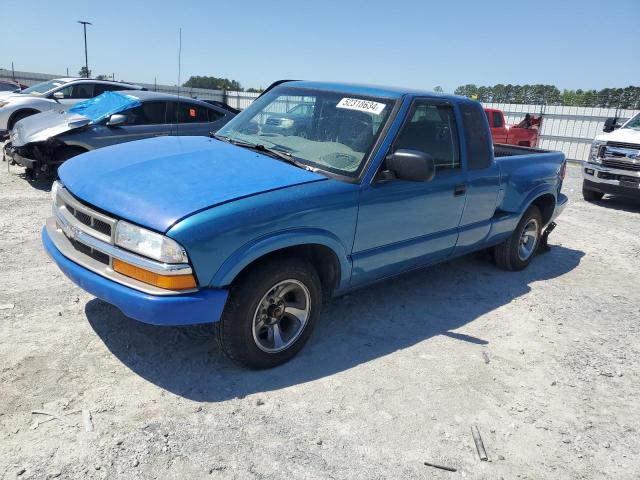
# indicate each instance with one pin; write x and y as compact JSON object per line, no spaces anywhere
{"x":270,"y":313}
{"x":518,"y":250}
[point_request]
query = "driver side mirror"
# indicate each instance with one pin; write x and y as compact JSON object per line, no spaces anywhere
{"x":116,"y":119}
{"x":58,"y":95}
{"x":411,"y":165}
{"x":610,"y":124}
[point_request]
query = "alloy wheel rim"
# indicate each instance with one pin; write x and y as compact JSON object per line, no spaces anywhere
{"x":528,"y":239}
{"x":281,"y":316}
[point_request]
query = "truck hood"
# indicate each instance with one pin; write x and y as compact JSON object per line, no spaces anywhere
{"x":45,"y":125}
{"x":623,"y":135}
{"x":159,"y":181}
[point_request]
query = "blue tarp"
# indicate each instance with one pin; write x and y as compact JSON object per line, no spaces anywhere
{"x":104,"y":105}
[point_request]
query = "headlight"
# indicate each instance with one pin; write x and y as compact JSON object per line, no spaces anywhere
{"x":149,"y":244}
{"x":55,"y":186}
{"x":594,"y":153}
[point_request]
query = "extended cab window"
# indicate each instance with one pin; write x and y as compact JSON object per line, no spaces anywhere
{"x":431,"y":128}
{"x":150,"y":113}
{"x":79,"y":90}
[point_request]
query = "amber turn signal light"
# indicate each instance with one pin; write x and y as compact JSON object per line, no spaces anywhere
{"x":169,"y":282}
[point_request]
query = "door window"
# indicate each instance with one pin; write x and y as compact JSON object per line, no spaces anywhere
{"x":151,"y":113}
{"x":78,"y":91}
{"x":431,"y":128}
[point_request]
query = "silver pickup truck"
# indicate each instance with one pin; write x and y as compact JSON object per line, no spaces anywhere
{"x":613,"y":166}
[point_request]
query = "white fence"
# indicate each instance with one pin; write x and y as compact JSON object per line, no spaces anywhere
{"x":564,"y":128}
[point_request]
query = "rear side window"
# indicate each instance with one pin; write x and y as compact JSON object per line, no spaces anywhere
{"x":214,"y":115}
{"x":191,"y":113}
{"x":476,"y":136}
{"x":431,"y":128}
{"x":103,"y":87}
{"x":497,"y":120}
{"x":151,"y":113}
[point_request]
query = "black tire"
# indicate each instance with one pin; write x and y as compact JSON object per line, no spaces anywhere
{"x":591,"y":195}
{"x":507,"y":253}
{"x":19,"y":116}
{"x":235,"y":330}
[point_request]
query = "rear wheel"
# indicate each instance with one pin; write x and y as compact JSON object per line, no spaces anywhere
{"x":270,"y":313}
{"x":518,"y":250}
{"x":591,"y":195}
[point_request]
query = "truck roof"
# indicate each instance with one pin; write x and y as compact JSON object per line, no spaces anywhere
{"x":371,"y":90}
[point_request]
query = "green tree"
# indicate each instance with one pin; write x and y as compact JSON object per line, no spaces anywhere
{"x":84,"y":73}
{"x":438,"y":89}
{"x":212,"y":83}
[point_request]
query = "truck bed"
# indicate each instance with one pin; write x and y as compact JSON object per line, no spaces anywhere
{"x":503,"y":150}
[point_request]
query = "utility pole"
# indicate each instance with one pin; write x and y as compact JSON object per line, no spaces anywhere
{"x":86,"y":58}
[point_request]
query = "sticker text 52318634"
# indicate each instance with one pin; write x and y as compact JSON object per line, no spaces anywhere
{"x":362,"y":105}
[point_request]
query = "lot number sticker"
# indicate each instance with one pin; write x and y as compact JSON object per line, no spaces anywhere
{"x":361,"y":105}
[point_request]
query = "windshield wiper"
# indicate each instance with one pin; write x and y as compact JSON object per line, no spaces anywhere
{"x":274,"y":152}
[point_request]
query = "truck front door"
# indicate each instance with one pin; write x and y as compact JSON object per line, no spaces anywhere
{"x":402,"y":224}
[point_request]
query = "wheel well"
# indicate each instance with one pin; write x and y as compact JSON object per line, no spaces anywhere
{"x":62,"y":152}
{"x":546,"y":204}
{"x":18,"y":113}
{"x":324,"y":260}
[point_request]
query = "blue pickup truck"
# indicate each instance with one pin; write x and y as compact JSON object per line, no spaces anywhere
{"x":251,"y":229}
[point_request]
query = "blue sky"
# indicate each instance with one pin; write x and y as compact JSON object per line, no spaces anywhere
{"x":572,"y":44}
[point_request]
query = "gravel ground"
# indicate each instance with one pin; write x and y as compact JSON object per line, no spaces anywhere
{"x":545,"y":362}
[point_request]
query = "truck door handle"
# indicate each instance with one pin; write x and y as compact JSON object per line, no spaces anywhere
{"x":459,"y":190}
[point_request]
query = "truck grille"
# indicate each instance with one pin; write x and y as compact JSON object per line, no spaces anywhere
{"x":621,"y":164}
{"x":631,"y":146}
{"x":90,"y":252}
{"x":624,"y":156}
{"x":89,"y":221}
{"x":96,"y":223}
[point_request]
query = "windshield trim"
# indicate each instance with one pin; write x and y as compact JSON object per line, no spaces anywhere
{"x":356,"y":176}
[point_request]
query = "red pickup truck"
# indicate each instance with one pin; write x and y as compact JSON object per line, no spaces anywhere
{"x":524,"y":133}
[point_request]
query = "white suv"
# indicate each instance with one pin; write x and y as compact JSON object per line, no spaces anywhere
{"x":56,"y":94}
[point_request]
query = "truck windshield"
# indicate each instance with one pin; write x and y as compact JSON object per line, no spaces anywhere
{"x":634,"y":123}
{"x":326,"y":130}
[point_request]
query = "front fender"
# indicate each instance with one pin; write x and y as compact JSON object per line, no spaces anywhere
{"x":260,"y":247}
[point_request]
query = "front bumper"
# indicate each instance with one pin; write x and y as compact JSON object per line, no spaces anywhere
{"x":613,"y":181}
{"x":11,"y":154}
{"x":202,"y":306}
